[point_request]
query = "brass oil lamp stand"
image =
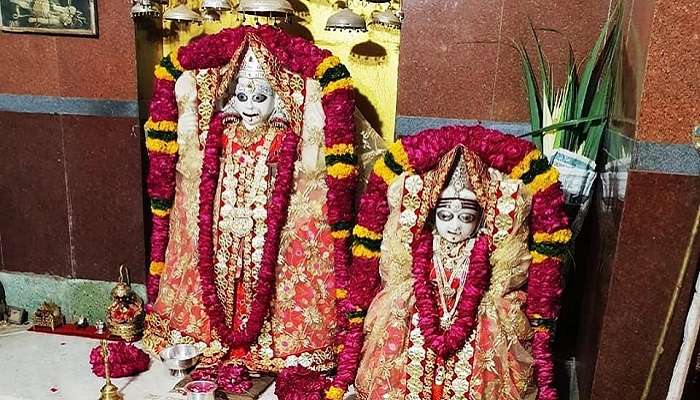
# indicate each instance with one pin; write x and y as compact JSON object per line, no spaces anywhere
{"x":109,"y":391}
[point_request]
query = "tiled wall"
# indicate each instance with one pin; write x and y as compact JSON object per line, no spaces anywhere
{"x":457,"y":58}
{"x":644,"y":259}
{"x":100,"y":67}
{"x":71,"y":200}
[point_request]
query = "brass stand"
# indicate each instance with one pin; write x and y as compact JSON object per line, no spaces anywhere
{"x":109,"y":391}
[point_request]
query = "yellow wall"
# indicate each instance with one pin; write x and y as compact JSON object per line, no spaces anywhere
{"x":377,"y":82}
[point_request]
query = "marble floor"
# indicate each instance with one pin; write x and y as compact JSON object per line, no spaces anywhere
{"x":38,"y":366}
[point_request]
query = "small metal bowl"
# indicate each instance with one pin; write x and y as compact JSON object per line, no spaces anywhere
{"x":201,"y":390}
{"x":179,"y":358}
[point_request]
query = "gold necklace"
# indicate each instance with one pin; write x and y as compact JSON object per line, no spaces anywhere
{"x":246,"y":138}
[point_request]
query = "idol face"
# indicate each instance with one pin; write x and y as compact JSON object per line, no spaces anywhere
{"x":457,"y":218}
{"x":254,"y":100}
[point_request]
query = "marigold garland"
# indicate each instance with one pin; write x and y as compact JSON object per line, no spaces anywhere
{"x":298,"y":56}
{"x":548,"y":223}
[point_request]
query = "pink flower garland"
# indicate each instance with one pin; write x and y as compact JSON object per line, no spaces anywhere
{"x":276,"y":218}
{"x":450,"y":341}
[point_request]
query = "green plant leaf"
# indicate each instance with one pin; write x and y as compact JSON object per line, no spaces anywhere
{"x":532,"y":92}
{"x":565,"y":124}
{"x":587,"y":80}
{"x":544,"y":70}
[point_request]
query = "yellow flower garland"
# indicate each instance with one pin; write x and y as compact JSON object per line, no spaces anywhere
{"x":341,"y":171}
{"x":340,"y":149}
{"x":163,"y":126}
{"x":560,"y":236}
{"x":335,"y":393}
{"x":544,"y":180}
{"x":400,"y":156}
{"x":384,"y":172}
{"x":162,"y":73}
{"x":160,"y":213}
{"x":361,"y":231}
{"x":345,"y":83}
{"x":160,"y":146}
{"x":328,"y":62}
{"x":341,"y":234}
{"x":524,"y":164}
{"x":359,"y":250}
{"x":156,"y":268}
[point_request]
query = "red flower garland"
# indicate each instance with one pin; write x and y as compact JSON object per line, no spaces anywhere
{"x":124,"y":360}
{"x":276,"y":219}
{"x":500,"y":151}
{"x":446,"y":343}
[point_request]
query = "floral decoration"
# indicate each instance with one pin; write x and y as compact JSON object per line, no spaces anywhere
{"x":124,"y":360}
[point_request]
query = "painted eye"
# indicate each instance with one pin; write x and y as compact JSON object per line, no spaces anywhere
{"x":241,"y":97}
{"x":259,"y":98}
{"x":445,"y":215}
{"x":467,"y":218}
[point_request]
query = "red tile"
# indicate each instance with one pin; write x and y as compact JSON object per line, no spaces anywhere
{"x":102,"y":67}
{"x":669,"y":106}
{"x":33,"y":201}
{"x":104,"y":181}
{"x":578,"y":22}
{"x":655,"y":232}
{"x":29,"y":64}
{"x":443,"y":71}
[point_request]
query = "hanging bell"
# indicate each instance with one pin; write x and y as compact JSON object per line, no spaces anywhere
{"x":346,"y":20}
{"x":210,"y":15}
{"x":273,"y":8}
{"x":144,"y":8}
{"x":386,"y":19}
{"x":181,"y":13}
{"x":368,"y":53}
{"x":216,"y":5}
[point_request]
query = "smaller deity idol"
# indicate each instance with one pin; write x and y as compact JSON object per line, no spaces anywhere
{"x":441,"y":328}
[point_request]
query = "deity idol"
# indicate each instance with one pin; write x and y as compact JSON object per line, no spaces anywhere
{"x":464,"y":206}
{"x":250,"y":264}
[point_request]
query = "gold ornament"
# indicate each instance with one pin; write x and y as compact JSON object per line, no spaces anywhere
{"x":125,"y":316}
